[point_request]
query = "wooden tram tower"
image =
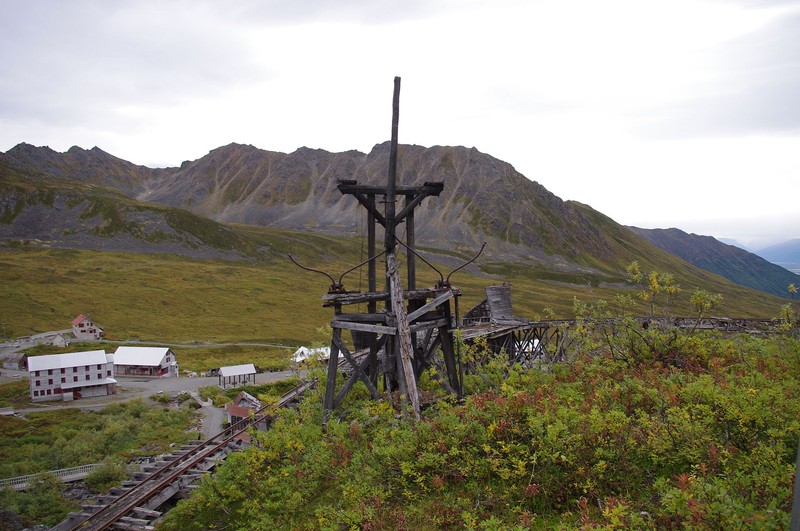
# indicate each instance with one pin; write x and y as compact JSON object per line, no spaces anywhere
{"x":399,"y":339}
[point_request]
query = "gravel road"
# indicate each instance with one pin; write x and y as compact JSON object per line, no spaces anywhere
{"x":130,"y":388}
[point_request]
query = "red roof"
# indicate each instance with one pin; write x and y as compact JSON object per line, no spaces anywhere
{"x":81,"y":318}
{"x":239,"y":411}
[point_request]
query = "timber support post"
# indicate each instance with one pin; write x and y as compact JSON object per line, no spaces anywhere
{"x":398,"y":341}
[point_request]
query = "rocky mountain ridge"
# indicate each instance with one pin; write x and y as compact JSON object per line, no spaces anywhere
{"x":66,"y":199}
{"x":484,"y":199}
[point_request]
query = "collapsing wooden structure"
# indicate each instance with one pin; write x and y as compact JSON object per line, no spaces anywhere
{"x":525,"y":342}
{"x":402,"y":329}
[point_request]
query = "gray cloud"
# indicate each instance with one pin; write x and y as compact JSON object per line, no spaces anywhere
{"x":280,"y":12}
{"x":77,"y":62}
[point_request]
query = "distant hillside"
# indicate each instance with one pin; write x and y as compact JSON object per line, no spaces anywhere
{"x":50,"y":212}
{"x":786,"y":254}
{"x":90,"y":199}
{"x":733,"y":263}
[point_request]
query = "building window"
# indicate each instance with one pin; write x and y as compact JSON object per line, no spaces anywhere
{"x":99,"y":376}
{"x":63,"y":380}
{"x":37,"y":373}
{"x":38,"y":383}
{"x":74,"y":369}
{"x":86,"y":368}
{"x":49,"y":372}
{"x":88,"y":376}
{"x":49,"y":392}
{"x":63,"y":370}
{"x":36,"y":393}
{"x":74,"y":378}
{"x":99,"y":367}
{"x":58,"y":391}
{"x":108,"y":373}
{"x":50,"y":381}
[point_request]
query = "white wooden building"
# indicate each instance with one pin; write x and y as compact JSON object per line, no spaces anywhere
{"x":84,"y":329}
{"x":236,"y":375}
{"x":71,"y":376}
{"x":155,"y":362}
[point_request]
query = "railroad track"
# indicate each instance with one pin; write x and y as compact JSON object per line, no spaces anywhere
{"x":134,"y":505}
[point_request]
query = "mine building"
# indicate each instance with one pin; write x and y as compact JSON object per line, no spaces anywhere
{"x":71,"y":376}
{"x":84,"y":329}
{"x":153,"y":362}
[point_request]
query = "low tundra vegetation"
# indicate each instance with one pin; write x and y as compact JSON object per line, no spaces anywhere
{"x":639,"y":429}
{"x":56,"y":439}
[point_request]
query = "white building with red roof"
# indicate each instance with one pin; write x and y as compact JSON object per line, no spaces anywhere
{"x":84,"y":329}
{"x":71,"y":376}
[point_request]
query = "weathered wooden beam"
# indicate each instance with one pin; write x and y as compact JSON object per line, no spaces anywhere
{"x":360,"y":297}
{"x":446,"y":296}
{"x":413,"y":203}
{"x":370,"y":206}
{"x":363,"y":327}
{"x":362,"y":317}
{"x":403,"y":332}
{"x":333,"y":369}
{"x":352,"y":187}
{"x":354,"y":376}
{"x":337,"y":338}
{"x":391,"y":187}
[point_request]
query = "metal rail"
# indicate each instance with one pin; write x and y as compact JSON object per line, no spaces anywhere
{"x":165,"y":477}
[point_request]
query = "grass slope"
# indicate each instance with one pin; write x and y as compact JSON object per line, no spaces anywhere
{"x":171,"y":298}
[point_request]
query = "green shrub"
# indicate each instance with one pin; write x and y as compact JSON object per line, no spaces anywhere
{"x":107,"y":475}
{"x":607,"y":441}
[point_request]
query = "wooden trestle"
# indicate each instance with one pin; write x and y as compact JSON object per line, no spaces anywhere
{"x":400,"y":339}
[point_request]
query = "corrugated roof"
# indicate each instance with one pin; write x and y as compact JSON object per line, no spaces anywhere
{"x":236,"y":370}
{"x":79,"y":319}
{"x":145,"y":356}
{"x":71,"y":359}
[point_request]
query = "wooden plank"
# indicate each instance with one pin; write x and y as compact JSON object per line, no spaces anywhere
{"x":352,"y":187}
{"x":358,"y":370}
{"x":446,"y":296}
{"x":358,"y":297}
{"x":403,"y":332}
{"x":363,"y":327}
{"x":362,"y":317}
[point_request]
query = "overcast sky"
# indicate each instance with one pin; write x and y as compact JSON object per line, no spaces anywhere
{"x":673,"y":113}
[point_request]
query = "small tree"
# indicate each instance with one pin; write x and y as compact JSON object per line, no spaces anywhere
{"x":703,"y":302}
{"x":651,"y":285}
{"x":790,"y":315}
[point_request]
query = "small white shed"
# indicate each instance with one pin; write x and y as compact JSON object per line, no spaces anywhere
{"x":236,"y":375}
